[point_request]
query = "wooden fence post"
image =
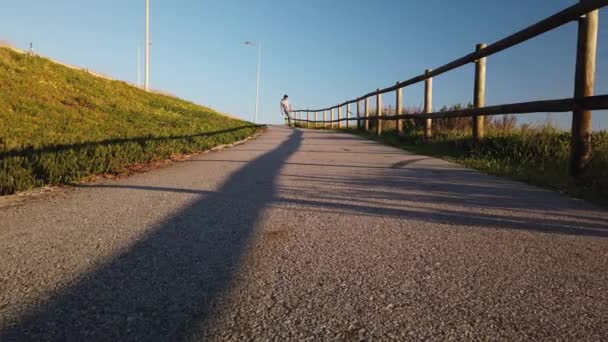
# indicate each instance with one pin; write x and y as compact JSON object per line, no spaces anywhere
{"x":316,"y":119}
{"x":331,"y":118}
{"x":399,"y":110}
{"x":584,"y":81}
{"x":378,"y":112}
{"x":307,"y":119}
{"x":479,"y":97}
{"x":339,"y":116}
{"x":428,"y":105}
{"x":358,"y":113}
{"x":366,"y":114}
{"x":347,"y":114}
{"x":324,"y":119}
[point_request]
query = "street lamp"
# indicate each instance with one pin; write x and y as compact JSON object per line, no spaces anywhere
{"x":257,"y":87}
{"x":147,"y":72}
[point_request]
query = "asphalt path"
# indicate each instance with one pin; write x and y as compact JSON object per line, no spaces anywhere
{"x":304,"y":235}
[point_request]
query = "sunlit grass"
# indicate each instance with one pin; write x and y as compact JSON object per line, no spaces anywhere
{"x":58,"y":124}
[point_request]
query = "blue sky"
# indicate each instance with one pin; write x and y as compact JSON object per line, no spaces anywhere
{"x":320,"y":52}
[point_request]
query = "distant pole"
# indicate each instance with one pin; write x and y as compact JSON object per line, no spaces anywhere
{"x":257,"y":84}
{"x":139,"y":66}
{"x":147,"y":73}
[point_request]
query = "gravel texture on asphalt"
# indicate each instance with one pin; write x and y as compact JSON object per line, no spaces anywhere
{"x":304,"y":235}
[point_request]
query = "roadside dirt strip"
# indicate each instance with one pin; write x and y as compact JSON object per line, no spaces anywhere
{"x":304,"y":235}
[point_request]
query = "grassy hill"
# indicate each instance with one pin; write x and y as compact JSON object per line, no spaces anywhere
{"x":58,"y":124}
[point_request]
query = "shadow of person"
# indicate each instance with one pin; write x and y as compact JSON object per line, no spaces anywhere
{"x":166,"y":283}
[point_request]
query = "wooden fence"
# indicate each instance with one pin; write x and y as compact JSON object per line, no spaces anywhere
{"x":581,"y":105}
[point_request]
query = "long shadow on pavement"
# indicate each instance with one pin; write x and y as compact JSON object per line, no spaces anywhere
{"x":167,"y":283}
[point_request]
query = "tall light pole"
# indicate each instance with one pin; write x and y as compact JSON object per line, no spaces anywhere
{"x":257,"y":86}
{"x":139,"y":67}
{"x":147,"y":73}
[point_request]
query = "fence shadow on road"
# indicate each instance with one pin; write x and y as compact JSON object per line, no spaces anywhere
{"x":164,"y":286}
{"x":454,"y":196}
{"x":412,"y":190}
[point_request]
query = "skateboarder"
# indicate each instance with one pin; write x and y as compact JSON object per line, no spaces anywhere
{"x":285,"y":109}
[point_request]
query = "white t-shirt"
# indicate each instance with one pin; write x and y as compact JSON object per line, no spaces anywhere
{"x":285,"y":106}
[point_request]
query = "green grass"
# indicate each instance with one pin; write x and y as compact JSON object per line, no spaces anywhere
{"x":537,"y":156}
{"x":58,"y":125}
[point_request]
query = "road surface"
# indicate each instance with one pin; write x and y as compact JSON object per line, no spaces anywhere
{"x":304,"y":235}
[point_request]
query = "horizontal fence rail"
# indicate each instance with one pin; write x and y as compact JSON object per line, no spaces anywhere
{"x":585,"y":12}
{"x":558,"y":106}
